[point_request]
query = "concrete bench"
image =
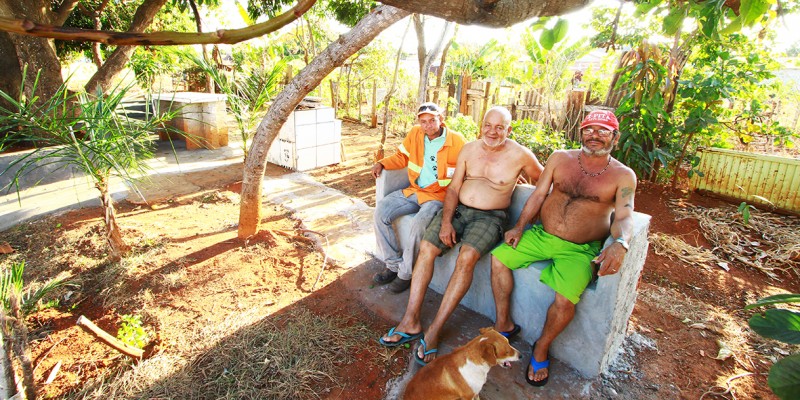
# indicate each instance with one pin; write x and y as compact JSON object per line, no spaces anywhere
{"x":591,"y":341}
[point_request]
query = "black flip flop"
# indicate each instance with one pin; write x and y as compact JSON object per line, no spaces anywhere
{"x":537,"y":366}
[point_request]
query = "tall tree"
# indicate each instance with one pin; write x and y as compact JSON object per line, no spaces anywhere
{"x":333,"y":56}
{"x":425,"y":57}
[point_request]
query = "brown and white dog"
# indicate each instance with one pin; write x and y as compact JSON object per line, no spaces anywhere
{"x":462,"y":373}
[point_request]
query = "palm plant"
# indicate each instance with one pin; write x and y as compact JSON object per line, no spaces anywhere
{"x":248,"y":97}
{"x":18,"y":304}
{"x":91,"y":134}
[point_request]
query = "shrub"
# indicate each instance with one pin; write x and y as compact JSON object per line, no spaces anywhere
{"x":463,"y":125}
{"x":783,"y":325}
{"x":541,"y":140}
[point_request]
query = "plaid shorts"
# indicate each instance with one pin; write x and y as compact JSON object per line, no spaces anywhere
{"x":480,"y":229}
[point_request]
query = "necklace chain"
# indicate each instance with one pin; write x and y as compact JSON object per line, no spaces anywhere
{"x":580,"y":164}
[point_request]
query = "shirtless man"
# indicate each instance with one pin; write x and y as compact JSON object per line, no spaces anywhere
{"x":588,"y":188}
{"x":474,"y":213}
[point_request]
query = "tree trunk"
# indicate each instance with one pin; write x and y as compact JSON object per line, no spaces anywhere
{"x":388,"y":97}
{"x":333,"y":56}
{"x":122,"y":54}
{"x":199,"y":23}
{"x":492,"y":13}
{"x":113,"y":234}
{"x":442,"y":64}
{"x":426,"y":58}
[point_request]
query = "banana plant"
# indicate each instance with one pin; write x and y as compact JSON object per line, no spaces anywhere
{"x":783,"y":325}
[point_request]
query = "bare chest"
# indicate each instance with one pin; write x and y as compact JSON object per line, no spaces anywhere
{"x":496,"y":168}
{"x":578,"y":186}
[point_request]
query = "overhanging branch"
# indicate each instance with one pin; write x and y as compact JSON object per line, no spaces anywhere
{"x":27,"y":27}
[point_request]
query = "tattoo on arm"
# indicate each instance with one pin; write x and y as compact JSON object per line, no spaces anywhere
{"x":626,"y":192}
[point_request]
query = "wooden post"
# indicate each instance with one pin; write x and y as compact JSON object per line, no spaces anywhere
{"x":576,"y":99}
{"x":466,"y":83}
{"x":334,"y":97}
{"x":485,"y":98}
{"x":373,"y":120}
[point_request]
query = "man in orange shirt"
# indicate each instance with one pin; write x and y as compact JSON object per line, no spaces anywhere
{"x":429,"y":151}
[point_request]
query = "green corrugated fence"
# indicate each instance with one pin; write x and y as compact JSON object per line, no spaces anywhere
{"x":767,"y":180}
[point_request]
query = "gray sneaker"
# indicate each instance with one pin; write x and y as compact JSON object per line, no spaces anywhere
{"x":384,"y":276}
{"x":399,"y":285}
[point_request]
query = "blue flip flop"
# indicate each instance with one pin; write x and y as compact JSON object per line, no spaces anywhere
{"x":404,"y":338}
{"x":425,"y":352}
{"x":537,"y":365}
{"x":514,"y":332}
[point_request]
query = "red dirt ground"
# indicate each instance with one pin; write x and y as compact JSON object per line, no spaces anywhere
{"x":213,"y":275}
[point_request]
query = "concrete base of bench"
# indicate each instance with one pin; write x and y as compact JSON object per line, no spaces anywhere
{"x":592,"y":339}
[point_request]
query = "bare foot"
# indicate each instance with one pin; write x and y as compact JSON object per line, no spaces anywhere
{"x":429,"y":347}
{"x":541,"y":373}
{"x":409,"y":330}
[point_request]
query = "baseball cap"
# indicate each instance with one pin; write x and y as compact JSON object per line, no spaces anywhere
{"x":603,"y":118}
{"x":429,"y":108}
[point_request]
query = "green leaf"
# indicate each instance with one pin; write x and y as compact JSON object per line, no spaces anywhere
{"x":778,"y":324}
{"x":784,"y":377}
{"x":751,"y":11}
{"x":776,"y":299}
{"x":645,"y":7}
{"x":560,"y":30}
{"x":674,"y":20}
{"x":548,"y":39}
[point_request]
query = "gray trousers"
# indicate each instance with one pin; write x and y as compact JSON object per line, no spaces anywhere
{"x":391,"y":207}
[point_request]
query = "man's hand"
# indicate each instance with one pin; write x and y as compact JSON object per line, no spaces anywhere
{"x":376,"y":170}
{"x":512,"y":236}
{"x":610,"y":259}
{"x":447,"y":234}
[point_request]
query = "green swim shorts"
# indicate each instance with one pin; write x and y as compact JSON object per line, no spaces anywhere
{"x":571,"y":269}
{"x":480,"y":229}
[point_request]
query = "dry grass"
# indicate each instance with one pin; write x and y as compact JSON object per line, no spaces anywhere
{"x":768,"y":242}
{"x":674,"y":247}
{"x":292,"y":356}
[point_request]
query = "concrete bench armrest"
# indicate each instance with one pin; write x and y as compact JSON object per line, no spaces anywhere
{"x":389,"y":181}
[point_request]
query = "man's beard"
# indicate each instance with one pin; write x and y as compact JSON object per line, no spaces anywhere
{"x":493,"y":145}
{"x":601,"y":152}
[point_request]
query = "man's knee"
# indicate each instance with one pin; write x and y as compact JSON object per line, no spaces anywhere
{"x":563,"y":303}
{"x":428,"y":249}
{"x":498,"y":265}
{"x":467,"y":257}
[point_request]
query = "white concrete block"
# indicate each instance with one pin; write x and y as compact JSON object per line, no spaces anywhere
{"x":325,"y":114}
{"x":305,"y":117}
{"x":306,"y":159}
{"x":326,"y":133}
{"x":305,"y":136}
{"x":327,"y":154}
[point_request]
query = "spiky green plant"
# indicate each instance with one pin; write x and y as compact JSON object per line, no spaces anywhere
{"x":12,"y":281}
{"x":90,"y":133}
{"x":248,"y":94}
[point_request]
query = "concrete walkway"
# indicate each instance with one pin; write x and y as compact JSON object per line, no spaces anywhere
{"x":343,"y":227}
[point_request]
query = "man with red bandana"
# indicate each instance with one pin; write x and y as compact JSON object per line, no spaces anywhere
{"x":578,"y":195}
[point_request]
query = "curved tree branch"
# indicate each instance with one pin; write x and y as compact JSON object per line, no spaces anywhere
{"x":27,"y":27}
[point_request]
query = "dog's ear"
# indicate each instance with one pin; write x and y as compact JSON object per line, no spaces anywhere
{"x":487,"y":329}
{"x":489,"y":350}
